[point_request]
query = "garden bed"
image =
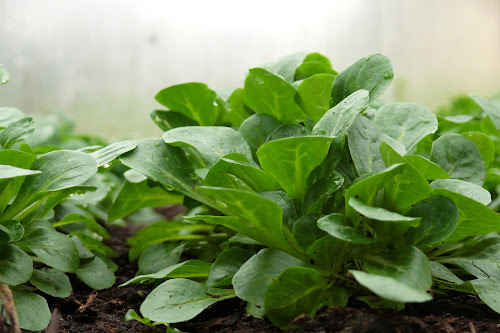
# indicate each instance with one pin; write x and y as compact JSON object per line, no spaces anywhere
{"x":104,"y":311}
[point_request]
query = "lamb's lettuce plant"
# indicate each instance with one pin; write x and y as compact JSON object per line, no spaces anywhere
{"x":328,"y":194}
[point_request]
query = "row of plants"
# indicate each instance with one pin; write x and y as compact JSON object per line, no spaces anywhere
{"x":303,"y":190}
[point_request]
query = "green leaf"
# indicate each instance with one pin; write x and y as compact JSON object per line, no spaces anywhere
{"x":482,"y":260}
{"x":134,"y":196}
{"x":224,"y":172}
{"x":407,"y":188}
{"x":212,"y":143}
{"x":53,"y":248}
{"x":292,"y":160}
{"x":163,"y":231}
{"x":337,"y":121}
{"x":52,"y":282}
{"x":166,"y":120}
{"x":484,"y":144}
{"x":8,"y":172}
{"x":439,"y":220}
{"x":158,"y":256}
{"x":87,"y":223}
{"x":367,"y":188}
{"x":325,"y":252}
{"x":10,"y":231}
{"x":314,"y":95}
{"x":194,"y":100}
{"x":165,"y":164}
{"x":32,"y":310}
{"x":320,"y":191}
{"x":287,"y":131}
{"x":60,"y":170}
{"x":9,"y":115}
{"x":408,"y":265}
{"x":373,"y":73}
{"x":390,"y":288}
{"x":340,"y":227}
{"x":252,"y":279}
{"x":180,"y":300}
{"x":407,"y":123}
{"x":305,"y":230}
{"x":286,"y":204}
{"x":314,"y":63}
{"x":464,"y":188}
{"x":364,"y":145}
{"x":187,"y":269}
{"x":297,"y":290}
{"x":4,"y":75}
{"x":109,"y":153}
{"x":16,"y":266}
{"x":226,"y":265}
{"x":257,"y":128}
{"x":390,"y":225}
{"x":132,"y":315}
{"x":488,"y":291}
{"x":286,"y":66}
{"x":267,"y":93}
{"x":441,"y":272}
{"x":491,"y":107}
{"x":459,"y":157}
{"x":239,"y":110}
{"x":429,"y":170}
{"x":474,"y":218}
{"x":96,"y":274}
{"x":17,"y":131}
{"x":95,"y":245}
{"x":251,"y":215}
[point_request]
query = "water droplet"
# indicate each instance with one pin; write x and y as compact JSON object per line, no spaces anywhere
{"x":71,"y":195}
{"x":193,"y":176}
{"x":387,"y":75}
{"x":168,"y":188}
{"x":157,"y":144}
{"x":367,"y":59}
{"x":221,"y":204}
{"x":107,"y":165}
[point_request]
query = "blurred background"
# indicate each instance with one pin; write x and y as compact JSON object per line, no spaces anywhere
{"x":104,"y":61}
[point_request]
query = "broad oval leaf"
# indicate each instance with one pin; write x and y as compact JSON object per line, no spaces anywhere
{"x":439,"y":220}
{"x":252,"y":279}
{"x":407,"y":123}
{"x":179,"y":300}
{"x":226,"y":265}
{"x":336,"y":121}
{"x":488,"y":291}
{"x":212,"y":143}
{"x":10,"y":231}
{"x":53,"y":248}
{"x":52,"y":282}
{"x":315,"y":94}
{"x":339,"y":226}
{"x":267,"y":93}
{"x":391,"y":288}
{"x":109,"y":153}
{"x":306,"y":231}
{"x":166,"y":120}
{"x":134,"y":196}
{"x":429,"y":170}
{"x":9,"y":115}
{"x":17,"y":131}
{"x":194,"y":100}
{"x":257,"y":128}
{"x":292,"y":160}
{"x":32,"y":310}
{"x":373,"y":73}
{"x":459,"y":157}
{"x":467,"y":189}
{"x":16,"y":266}
{"x":491,"y":107}
{"x":96,"y":274}
{"x":295,"y":291}
{"x":484,"y":144}
{"x":286,"y":66}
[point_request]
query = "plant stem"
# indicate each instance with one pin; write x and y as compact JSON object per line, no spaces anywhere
{"x":8,"y":303}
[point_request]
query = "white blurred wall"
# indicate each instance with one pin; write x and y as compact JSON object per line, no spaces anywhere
{"x":104,"y":61}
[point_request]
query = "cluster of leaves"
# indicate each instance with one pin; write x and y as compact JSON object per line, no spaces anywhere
{"x":325,"y":192}
{"x":53,"y":187}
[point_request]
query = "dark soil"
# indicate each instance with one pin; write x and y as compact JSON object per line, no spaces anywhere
{"x":104,"y":311}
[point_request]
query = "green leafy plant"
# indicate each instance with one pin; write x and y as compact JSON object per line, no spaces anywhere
{"x":326,"y":193}
{"x":46,"y":227}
